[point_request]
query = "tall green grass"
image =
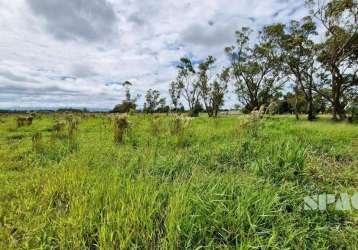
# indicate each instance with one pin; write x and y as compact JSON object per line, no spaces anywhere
{"x":224,"y":183}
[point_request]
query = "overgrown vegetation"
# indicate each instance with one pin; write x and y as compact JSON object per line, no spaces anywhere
{"x":175,"y":182}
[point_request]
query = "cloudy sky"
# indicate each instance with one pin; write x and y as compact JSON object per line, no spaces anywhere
{"x":74,"y":53}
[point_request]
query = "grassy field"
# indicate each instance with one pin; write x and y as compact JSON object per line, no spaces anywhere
{"x":212,"y":183}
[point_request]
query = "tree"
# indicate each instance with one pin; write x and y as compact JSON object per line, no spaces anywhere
{"x":186,"y":84}
{"x":212,"y":89}
{"x":163,"y":108}
{"x":338,"y":53}
{"x":127,"y":86}
{"x":153,"y":100}
{"x":128,"y":103}
{"x":297,"y":55}
{"x":255,"y":70}
{"x":175,"y":92}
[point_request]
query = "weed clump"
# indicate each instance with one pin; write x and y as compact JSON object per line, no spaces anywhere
{"x":24,"y":121}
{"x":179,"y":128}
{"x":72,"y":124}
{"x":179,"y":124}
{"x":58,"y":128}
{"x":37,"y":144}
{"x":251,"y":125}
{"x":155,"y":125}
{"x":120,"y":127}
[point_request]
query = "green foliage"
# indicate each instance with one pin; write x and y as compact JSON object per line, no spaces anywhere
{"x":201,"y":184}
{"x":124,"y":107}
{"x":256,"y":69}
{"x":152,"y":101}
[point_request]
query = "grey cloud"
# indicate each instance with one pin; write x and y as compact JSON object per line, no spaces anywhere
{"x":34,"y":90}
{"x":136,"y":19}
{"x":11,"y":76}
{"x":76,"y":19}
{"x":83,"y":70}
{"x":201,"y":35}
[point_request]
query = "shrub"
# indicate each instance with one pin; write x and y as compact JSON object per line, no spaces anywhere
{"x":124,"y":107}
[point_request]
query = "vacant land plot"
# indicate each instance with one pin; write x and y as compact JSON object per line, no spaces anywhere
{"x":172,"y":183}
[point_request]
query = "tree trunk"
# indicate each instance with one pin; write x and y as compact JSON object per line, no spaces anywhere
{"x":337,"y":106}
{"x":338,"y":111}
{"x":295,"y":108}
{"x":215,"y":112}
{"x":311,"y":115}
{"x":310,"y":108}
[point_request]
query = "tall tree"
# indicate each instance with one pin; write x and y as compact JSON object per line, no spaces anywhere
{"x":212,"y":88}
{"x":187,"y":84}
{"x":338,"y":53}
{"x":127,"y":86}
{"x":297,"y":55}
{"x":254,"y":69}
{"x":128,"y":103}
{"x":152,"y":100}
{"x":175,"y":92}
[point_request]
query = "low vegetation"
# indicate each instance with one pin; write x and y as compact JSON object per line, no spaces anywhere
{"x":173,"y":182}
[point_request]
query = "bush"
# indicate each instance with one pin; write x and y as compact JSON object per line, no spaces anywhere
{"x":124,"y":107}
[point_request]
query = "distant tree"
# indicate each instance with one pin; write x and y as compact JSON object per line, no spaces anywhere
{"x":127,"y":86}
{"x":338,"y":54}
{"x":198,"y":108}
{"x":297,"y":101}
{"x":124,"y":107}
{"x":212,"y":89}
{"x":254,"y":69}
{"x":187,"y":84}
{"x":163,"y":108}
{"x":175,"y":92}
{"x":152,"y":100}
{"x":127,"y":104}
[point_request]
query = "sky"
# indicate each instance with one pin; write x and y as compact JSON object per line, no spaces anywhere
{"x":76,"y":53}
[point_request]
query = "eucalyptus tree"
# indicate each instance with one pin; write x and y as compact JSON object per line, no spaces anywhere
{"x":296,"y":49}
{"x":152,"y":100}
{"x":128,"y":103}
{"x":338,"y":52}
{"x":175,"y":93}
{"x":255,"y":70}
{"x":212,"y":87}
{"x":186,"y":84}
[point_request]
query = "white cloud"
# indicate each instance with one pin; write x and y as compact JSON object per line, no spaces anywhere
{"x":63,"y":53}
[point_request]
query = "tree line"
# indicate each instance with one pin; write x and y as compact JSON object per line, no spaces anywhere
{"x":282,"y":65}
